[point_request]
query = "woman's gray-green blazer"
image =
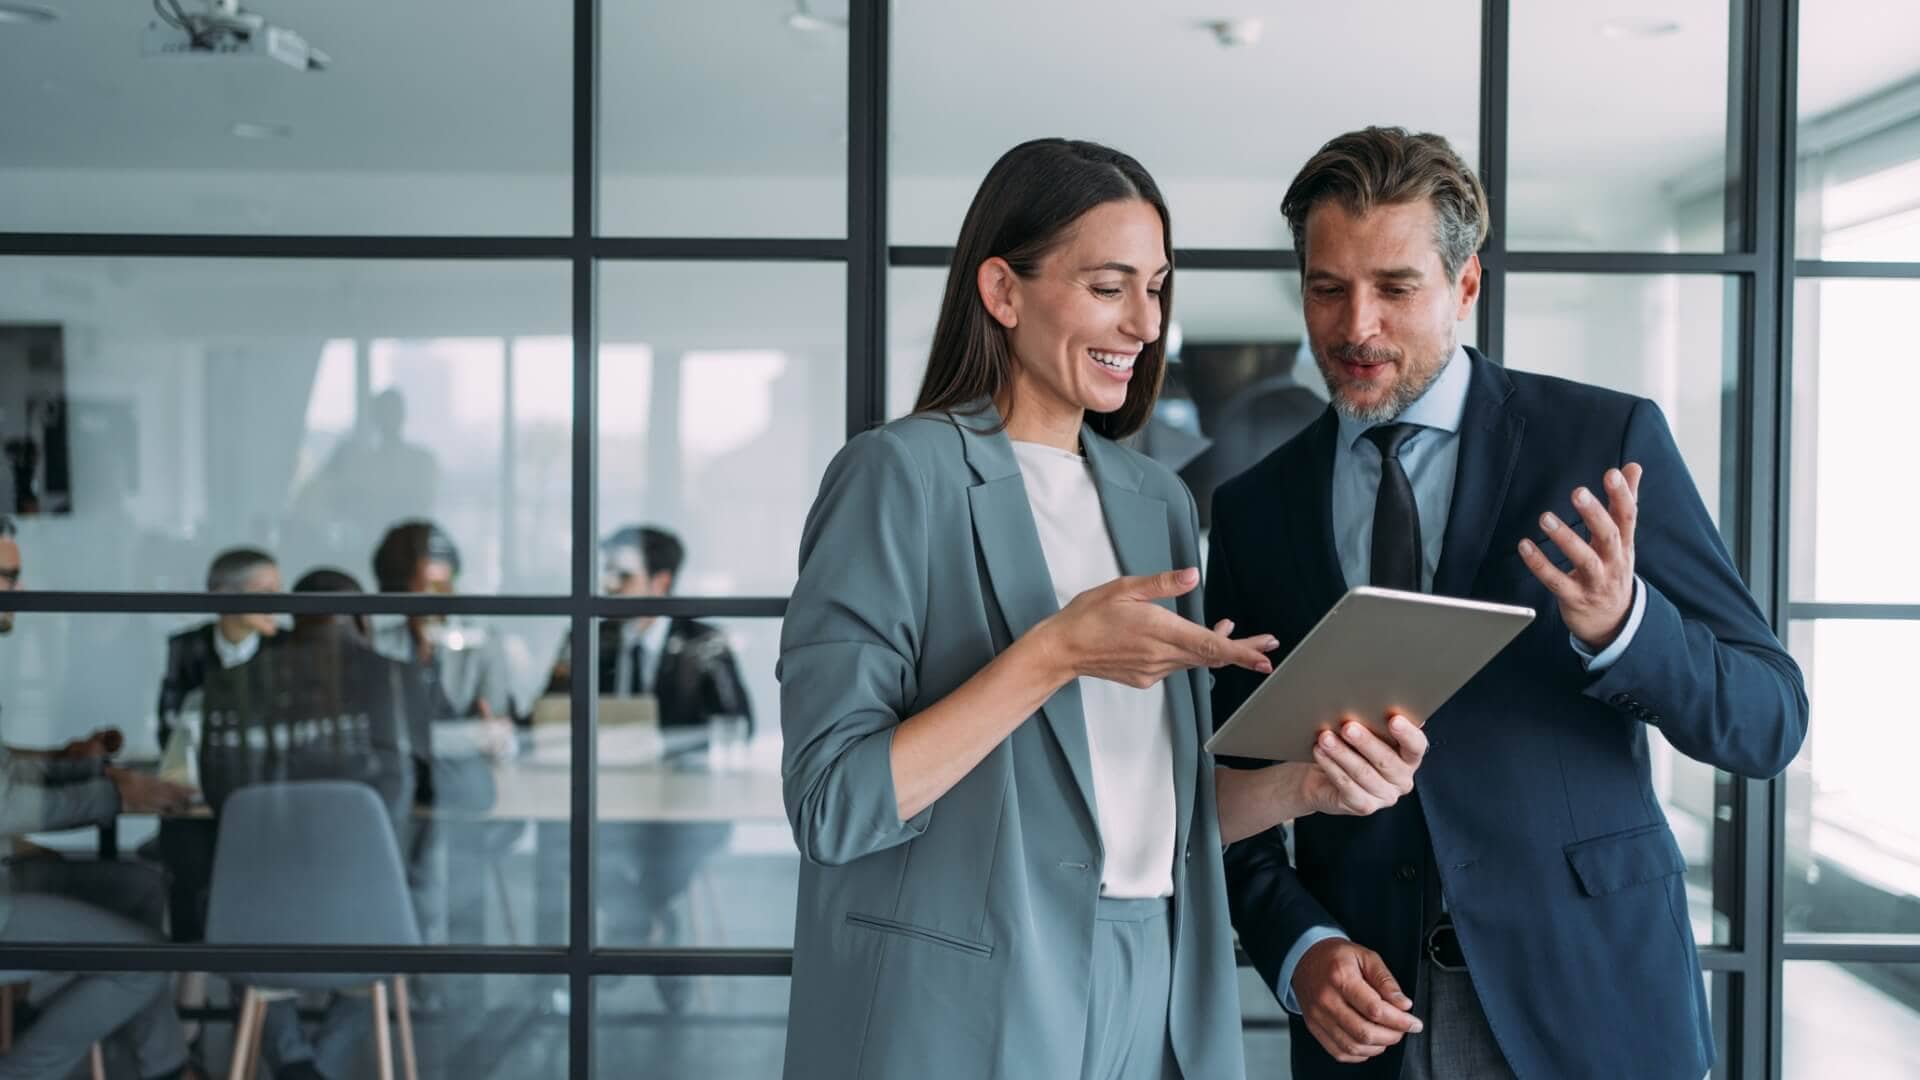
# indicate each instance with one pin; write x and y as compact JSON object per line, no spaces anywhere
{"x":959,"y":944}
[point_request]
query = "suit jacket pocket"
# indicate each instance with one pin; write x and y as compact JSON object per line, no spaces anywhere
{"x":1607,"y":864}
{"x":919,"y":933}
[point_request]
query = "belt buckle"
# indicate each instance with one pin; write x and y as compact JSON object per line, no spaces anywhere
{"x":1443,"y":947}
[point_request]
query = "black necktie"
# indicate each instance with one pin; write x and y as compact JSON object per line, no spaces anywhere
{"x":1396,"y":518}
{"x":638,"y":681}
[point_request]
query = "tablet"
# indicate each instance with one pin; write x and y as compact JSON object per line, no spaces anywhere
{"x":1379,"y":651}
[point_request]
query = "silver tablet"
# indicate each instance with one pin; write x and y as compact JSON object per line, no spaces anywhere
{"x":1379,"y":651}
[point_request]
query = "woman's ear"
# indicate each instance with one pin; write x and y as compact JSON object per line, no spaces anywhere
{"x":996,"y":279}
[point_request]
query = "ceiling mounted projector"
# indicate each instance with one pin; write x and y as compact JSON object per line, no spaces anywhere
{"x":225,"y":32}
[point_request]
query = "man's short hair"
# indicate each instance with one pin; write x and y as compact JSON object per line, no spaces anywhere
{"x":7,"y":529}
{"x":661,"y":552}
{"x":1390,"y":166}
{"x":405,"y":547}
{"x":232,"y":567}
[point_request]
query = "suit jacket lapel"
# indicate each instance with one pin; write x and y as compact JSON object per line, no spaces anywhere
{"x":1489,"y":449}
{"x":1138,"y":524}
{"x":1017,"y":572}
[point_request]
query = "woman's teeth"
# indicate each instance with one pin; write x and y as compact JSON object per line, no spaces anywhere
{"x":1116,"y":361}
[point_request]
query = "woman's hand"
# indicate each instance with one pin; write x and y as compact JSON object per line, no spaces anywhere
{"x":1116,"y":632}
{"x":1358,"y":772}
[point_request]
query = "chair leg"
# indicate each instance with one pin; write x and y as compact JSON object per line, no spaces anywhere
{"x":99,"y":1060}
{"x":403,"y":1015}
{"x":382,"y":1034}
{"x":243,"y":1057}
{"x":6,"y":1019}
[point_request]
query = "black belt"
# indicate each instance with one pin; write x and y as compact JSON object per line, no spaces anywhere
{"x":1443,"y":946}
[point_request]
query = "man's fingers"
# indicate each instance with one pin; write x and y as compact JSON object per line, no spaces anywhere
{"x":1631,"y":470}
{"x":1554,"y":578}
{"x":1623,"y":504}
{"x":1578,"y":552}
{"x":1336,"y":757}
{"x":1381,"y":754}
{"x":1601,"y":525}
{"x":1381,"y":979}
{"x":1408,"y":740}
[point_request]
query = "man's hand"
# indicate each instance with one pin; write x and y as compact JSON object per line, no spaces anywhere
{"x":103,"y":743}
{"x":145,"y":793}
{"x":1350,"y":1001}
{"x":1358,"y":772}
{"x":1597,"y":596}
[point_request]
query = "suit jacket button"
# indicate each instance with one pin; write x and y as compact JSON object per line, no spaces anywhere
{"x":1406,"y":872}
{"x":1189,"y":852}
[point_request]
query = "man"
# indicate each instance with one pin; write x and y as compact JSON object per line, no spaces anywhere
{"x":44,"y":898}
{"x":690,"y":671}
{"x":1529,"y":895}
{"x":228,"y":641}
{"x":186,"y":844}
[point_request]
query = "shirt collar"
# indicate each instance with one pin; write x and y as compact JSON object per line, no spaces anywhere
{"x":1442,"y":407}
{"x":232,"y":653}
{"x":654,"y":637}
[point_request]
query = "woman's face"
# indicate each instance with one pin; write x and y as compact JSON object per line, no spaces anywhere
{"x":1077,"y":326}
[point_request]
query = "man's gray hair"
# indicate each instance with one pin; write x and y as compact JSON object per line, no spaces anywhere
{"x":1387,"y":166}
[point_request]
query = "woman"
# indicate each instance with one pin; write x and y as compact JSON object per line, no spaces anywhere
{"x":993,"y":692}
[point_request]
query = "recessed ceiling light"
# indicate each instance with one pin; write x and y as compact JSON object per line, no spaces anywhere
{"x":246,"y":129}
{"x":26,"y":13}
{"x":1639,"y":26}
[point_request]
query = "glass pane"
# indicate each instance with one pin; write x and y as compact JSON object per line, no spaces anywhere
{"x":1859,"y":137}
{"x":1670,"y":339}
{"x":460,"y":1026}
{"x":426,"y":120}
{"x":723,"y":118}
{"x":1267,"y":1029}
{"x":717,"y":1027}
{"x":1604,"y":158}
{"x":695,"y":849}
{"x":1853,"y":841}
{"x":429,"y":716}
{"x":1860,"y":1021}
{"x":1222,"y":167}
{"x":1241,"y":381}
{"x":722,"y":399}
{"x":1844,"y":334}
{"x":158,"y":411}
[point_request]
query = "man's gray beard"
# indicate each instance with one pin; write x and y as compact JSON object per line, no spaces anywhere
{"x":1400,"y":400}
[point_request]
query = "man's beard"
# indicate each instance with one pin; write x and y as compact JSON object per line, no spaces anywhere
{"x":1406,"y":390}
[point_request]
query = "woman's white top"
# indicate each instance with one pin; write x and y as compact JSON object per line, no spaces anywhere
{"x":1129,"y":731}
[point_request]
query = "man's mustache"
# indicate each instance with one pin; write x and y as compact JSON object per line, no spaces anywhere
{"x":1365,"y":354}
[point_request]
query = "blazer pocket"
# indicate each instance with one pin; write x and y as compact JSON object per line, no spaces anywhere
{"x":918,"y":933}
{"x":1607,"y":864}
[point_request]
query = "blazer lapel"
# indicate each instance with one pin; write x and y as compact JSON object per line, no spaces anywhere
{"x":1138,"y":524}
{"x":1489,"y":449}
{"x":1017,"y":572}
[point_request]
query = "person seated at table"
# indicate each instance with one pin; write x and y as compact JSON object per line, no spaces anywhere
{"x":689,"y":669}
{"x":332,"y":709}
{"x":468,"y":668}
{"x":45,"y":898}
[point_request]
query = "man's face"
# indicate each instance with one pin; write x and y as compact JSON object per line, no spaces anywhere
{"x":264,"y":579}
{"x":9,"y":577}
{"x":1382,"y":316}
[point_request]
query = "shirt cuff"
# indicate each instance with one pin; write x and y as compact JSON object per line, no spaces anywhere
{"x":1612,"y":653}
{"x":1308,"y":940}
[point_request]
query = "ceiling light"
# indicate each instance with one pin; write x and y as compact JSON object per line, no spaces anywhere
{"x":25,"y":13}
{"x":1639,"y":26}
{"x":247,"y":129}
